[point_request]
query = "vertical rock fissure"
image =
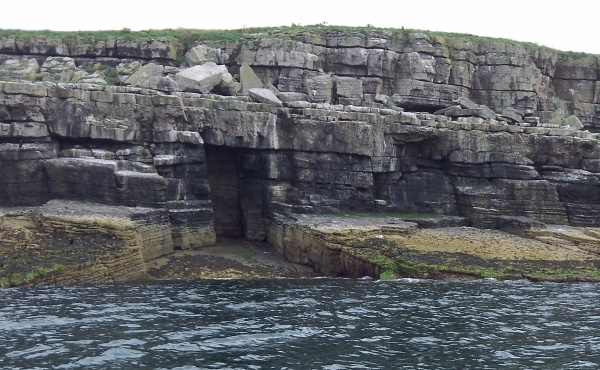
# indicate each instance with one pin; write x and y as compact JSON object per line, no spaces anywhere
{"x":222,"y":173}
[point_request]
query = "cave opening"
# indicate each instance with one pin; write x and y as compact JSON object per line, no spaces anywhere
{"x":223,"y":178}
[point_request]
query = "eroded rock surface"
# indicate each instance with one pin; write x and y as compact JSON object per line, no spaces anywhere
{"x":496,"y":133}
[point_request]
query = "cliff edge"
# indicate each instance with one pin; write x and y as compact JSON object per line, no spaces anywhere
{"x":190,"y":139}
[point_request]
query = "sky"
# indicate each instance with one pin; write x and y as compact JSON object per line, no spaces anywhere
{"x":566,"y":25}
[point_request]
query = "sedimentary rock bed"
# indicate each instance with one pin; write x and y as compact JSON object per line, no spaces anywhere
{"x":220,"y":144}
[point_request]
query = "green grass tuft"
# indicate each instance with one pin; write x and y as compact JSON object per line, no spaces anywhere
{"x":189,"y":37}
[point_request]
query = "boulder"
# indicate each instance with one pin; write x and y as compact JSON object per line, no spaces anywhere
{"x":557,"y":119}
{"x":249,"y":79}
{"x":292,"y":96}
{"x":201,"y":54}
{"x":141,"y":77}
{"x":56,"y":65}
{"x":486,"y":113}
{"x":151,"y":76}
{"x":160,"y":83}
{"x":457,"y":111}
{"x":573,"y":122}
{"x":228,"y":85}
{"x":265,"y":96}
{"x":511,"y":115}
{"x":466,"y":103}
{"x":126,"y":69}
{"x":96,"y":78}
{"x":20,"y":69}
{"x":202,"y":78}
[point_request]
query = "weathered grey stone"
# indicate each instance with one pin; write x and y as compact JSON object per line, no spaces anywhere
{"x":142,"y":75}
{"x":146,"y":48}
{"x":228,"y":85}
{"x":25,"y":89}
{"x":131,"y":146}
{"x":202,"y":78}
{"x":201,"y":54}
{"x":450,"y":110}
{"x":82,"y":77}
{"x":20,"y":69}
{"x":56,"y":65}
{"x":466,"y":103}
{"x":249,"y":79}
{"x":29,"y":129}
{"x":511,"y":115}
{"x":485,"y":112}
{"x":278,"y":52}
{"x":292,"y":96}
{"x":174,"y":136}
{"x":126,"y":69}
{"x":320,"y":89}
{"x":348,"y":87}
{"x":265,"y":96}
{"x":161,"y":83}
{"x":482,"y":112}
{"x":557,"y":120}
{"x":573,"y":122}
{"x":428,"y":95}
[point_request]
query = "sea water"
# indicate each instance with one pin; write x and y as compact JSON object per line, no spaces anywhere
{"x":302,"y":324}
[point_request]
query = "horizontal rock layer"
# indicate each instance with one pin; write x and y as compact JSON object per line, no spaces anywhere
{"x":135,"y":147}
{"x":338,"y":123}
{"x":417,"y":71}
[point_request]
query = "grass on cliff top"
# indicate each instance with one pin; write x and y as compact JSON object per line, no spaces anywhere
{"x":188,"y":37}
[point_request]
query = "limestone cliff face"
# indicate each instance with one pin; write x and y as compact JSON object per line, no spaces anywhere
{"x":357,"y":122}
{"x":413,"y":70}
{"x":425,"y":73}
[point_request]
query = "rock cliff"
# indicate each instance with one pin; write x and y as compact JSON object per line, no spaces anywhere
{"x":206,"y":138}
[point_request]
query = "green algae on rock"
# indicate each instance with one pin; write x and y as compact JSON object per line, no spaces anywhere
{"x":484,"y":133}
{"x":394,"y":248}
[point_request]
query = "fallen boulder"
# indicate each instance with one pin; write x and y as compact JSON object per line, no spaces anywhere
{"x":143,"y":74}
{"x":573,"y":122}
{"x":228,"y":85}
{"x":202,"y":78}
{"x":19,"y":69}
{"x":455,"y":111}
{"x":265,"y":96}
{"x":249,"y":79}
{"x":201,"y":54}
{"x":511,"y":115}
{"x":126,"y":69}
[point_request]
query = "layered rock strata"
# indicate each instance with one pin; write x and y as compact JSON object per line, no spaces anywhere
{"x":308,"y":124}
{"x":390,"y":247}
{"x":414,"y":70}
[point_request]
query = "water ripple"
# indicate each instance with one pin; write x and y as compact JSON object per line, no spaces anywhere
{"x":313,"y":324}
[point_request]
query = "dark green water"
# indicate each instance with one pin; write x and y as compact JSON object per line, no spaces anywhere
{"x":302,"y":324}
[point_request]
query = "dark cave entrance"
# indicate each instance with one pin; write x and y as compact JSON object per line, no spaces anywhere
{"x":223,"y":177}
